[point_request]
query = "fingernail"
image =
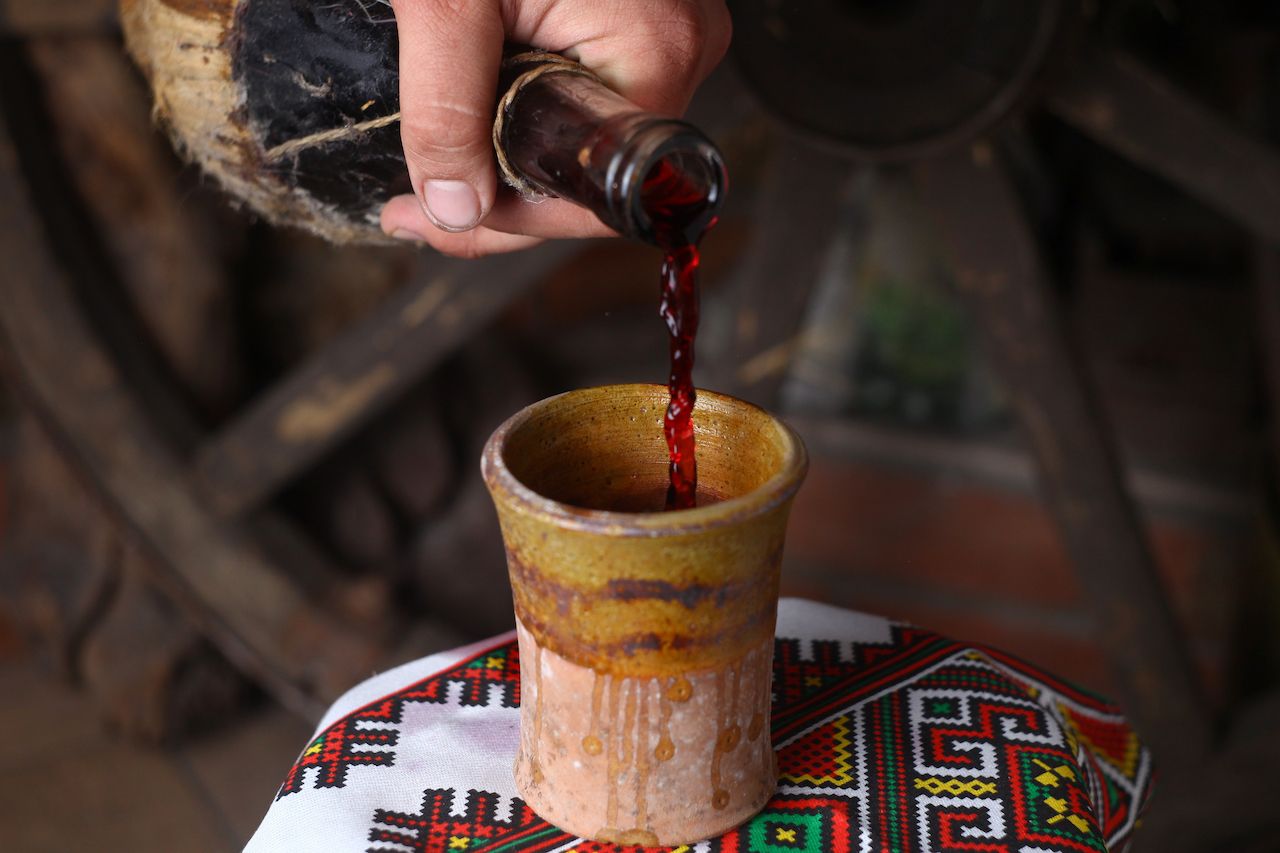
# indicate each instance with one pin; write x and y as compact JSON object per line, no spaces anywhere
{"x":407,"y":235}
{"x":452,"y":205}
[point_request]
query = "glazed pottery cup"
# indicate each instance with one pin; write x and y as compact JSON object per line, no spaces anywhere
{"x":646,"y":637}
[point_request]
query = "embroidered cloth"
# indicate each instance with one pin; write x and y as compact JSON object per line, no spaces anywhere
{"x":890,"y":739}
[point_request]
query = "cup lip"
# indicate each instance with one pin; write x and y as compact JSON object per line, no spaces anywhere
{"x":777,"y":490}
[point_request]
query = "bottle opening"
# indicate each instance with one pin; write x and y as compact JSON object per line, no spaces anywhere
{"x":667,"y":185}
{"x":681,"y":192}
{"x":680,"y":197}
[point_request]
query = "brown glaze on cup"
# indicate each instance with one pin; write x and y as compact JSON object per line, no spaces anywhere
{"x":645,"y":637}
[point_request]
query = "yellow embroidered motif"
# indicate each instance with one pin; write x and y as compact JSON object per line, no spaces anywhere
{"x":1049,"y":778}
{"x":458,"y":842}
{"x":1064,"y":812}
{"x":955,"y":787}
{"x":786,"y":835}
{"x":315,"y":748}
{"x":495,"y":663}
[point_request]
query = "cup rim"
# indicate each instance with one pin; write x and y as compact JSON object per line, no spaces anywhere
{"x":778,"y":489}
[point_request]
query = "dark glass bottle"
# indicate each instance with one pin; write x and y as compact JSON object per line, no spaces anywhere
{"x":566,"y":134}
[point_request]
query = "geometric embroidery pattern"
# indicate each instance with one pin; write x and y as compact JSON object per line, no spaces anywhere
{"x":433,"y":829}
{"x":367,"y":735}
{"x":919,"y":744}
{"x":822,"y":757}
{"x":1110,"y":740}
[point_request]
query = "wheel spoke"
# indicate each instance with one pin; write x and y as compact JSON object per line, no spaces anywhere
{"x":1126,"y":107}
{"x":1002,"y":282}
{"x":359,"y":374}
{"x":23,"y":18}
{"x":220,"y":577}
{"x":797,"y":214}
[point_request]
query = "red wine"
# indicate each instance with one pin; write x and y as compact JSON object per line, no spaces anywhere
{"x":677,"y":209}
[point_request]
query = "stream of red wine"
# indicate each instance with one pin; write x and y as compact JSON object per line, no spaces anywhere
{"x":677,"y":207}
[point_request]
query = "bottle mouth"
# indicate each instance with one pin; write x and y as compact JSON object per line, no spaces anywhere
{"x":669,"y":185}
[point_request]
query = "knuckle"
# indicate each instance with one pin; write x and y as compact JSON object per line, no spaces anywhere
{"x":719,"y":30}
{"x":449,"y":10}
{"x":684,"y":31}
{"x":445,"y":135}
{"x":685,"y":27}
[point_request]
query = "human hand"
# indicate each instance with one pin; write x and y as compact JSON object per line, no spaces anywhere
{"x":653,"y":52}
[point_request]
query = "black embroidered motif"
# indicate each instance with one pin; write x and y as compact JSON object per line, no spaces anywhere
{"x":434,"y":830}
{"x":365,"y":736}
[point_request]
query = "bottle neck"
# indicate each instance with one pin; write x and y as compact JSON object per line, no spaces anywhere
{"x":567,"y":135}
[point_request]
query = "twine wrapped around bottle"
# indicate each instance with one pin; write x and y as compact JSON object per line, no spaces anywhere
{"x":541,"y":63}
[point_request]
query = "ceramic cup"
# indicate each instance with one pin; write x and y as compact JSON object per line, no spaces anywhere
{"x":646,"y":637}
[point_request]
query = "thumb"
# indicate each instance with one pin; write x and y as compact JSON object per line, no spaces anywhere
{"x":450,"y":51}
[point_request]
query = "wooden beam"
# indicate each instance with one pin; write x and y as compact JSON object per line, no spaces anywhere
{"x":65,"y":376}
{"x":362,"y":372}
{"x":1128,"y":108}
{"x":1001,"y":280}
{"x":25,"y":18}
{"x":797,"y":212}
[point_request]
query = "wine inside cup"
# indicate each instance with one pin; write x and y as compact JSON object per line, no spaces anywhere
{"x":646,"y":637}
